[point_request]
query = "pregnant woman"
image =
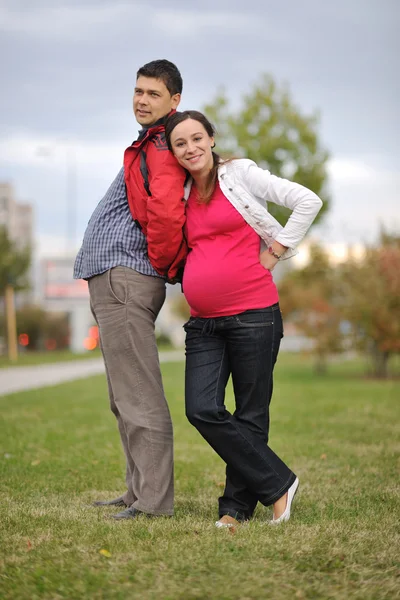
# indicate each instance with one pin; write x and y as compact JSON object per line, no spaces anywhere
{"x":235,"y":326}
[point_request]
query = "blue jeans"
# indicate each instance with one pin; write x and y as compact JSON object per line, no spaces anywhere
{"x":245,"y":346}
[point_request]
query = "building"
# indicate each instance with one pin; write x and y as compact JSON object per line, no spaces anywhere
{"x":61,"y":293}
{"x":17,"y":218}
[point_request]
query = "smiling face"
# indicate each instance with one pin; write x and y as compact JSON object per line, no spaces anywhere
{"x":152,"y":100}
{"x":192,"y":147}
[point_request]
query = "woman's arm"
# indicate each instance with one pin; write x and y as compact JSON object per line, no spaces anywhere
{"x":304,"y":204}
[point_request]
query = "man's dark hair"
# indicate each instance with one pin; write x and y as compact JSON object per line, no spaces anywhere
{"x":164,"y":70}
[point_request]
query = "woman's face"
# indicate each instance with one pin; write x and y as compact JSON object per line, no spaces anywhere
{"x":191,"y":146}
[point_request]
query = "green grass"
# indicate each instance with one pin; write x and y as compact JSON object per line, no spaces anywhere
{"x":59,"y":450}
{"x":52,"y":356}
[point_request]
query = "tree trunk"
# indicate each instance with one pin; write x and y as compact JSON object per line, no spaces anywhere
{"x":380,"y":362}
{"x":320,"y":365}
{"x":9,"y":300}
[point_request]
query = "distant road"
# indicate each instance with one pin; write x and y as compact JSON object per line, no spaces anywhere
{"x":18,"y":379}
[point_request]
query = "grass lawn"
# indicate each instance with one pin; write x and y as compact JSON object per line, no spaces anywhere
{"x":59,"y":450}
{"x":40,"y":358}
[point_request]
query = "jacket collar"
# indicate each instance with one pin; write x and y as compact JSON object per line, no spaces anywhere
{"x":156,"y":127}
{"x":222,"y":169}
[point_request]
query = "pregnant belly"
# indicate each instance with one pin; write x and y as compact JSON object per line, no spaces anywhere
{"x":218,"y":288}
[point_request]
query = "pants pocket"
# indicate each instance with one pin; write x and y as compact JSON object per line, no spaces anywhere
{"x":190,"y":323}
{"x":255,"y":319}
{"x":117,"y":284}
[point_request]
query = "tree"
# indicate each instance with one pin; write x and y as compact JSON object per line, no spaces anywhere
{"x":31,"y":321}
{"x":310,"y":298}
{"x":372,"y":301}
{"x":356,"y":304}
{"x":14,"y":264}
{"x":270,"y":130}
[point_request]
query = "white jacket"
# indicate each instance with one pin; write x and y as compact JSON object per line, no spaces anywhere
{"x":249,"y":188}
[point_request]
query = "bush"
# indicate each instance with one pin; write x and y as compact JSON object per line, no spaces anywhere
{"x":45,"y":330}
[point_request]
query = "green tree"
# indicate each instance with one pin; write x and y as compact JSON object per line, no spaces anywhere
{"x":14,"y":264}
{"x":359,"y":297}
{"x":371,"y":289}
{"x":269,"y":129}
{"x":310,"y":299}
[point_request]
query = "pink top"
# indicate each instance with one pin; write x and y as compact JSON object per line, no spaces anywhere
{"x":223,"y":274}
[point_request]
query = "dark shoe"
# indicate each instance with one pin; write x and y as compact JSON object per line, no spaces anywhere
{"x":116,"y":502}
{"x":129,"y":513}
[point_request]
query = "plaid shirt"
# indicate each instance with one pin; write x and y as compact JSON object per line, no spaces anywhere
{"x":112,"y":238}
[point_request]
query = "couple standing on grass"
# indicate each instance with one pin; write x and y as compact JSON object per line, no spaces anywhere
{"x":176,"y":204}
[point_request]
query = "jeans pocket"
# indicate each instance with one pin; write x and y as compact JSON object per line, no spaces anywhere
{"x":255,"y":319}
{"x":190,"y":323}
{"x":117,"y":284}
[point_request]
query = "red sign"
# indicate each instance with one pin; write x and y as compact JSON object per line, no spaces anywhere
{"x":59,"y":281}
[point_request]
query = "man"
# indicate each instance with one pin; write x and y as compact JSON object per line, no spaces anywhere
{"x":132,"y":245}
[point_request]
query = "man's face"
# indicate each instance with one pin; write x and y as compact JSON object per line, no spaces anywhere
{"x":152,"y":100}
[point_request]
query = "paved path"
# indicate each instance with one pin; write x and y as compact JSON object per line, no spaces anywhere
{"x":17,"y":379}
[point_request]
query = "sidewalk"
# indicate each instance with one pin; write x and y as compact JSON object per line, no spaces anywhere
{"x":18,"y":379}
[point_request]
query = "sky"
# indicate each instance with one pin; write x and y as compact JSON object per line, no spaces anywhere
{"x":68,"y":72}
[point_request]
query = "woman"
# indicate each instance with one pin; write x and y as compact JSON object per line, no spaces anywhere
{"x":235,"y":326}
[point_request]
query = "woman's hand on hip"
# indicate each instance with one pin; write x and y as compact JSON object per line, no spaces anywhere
{"x":267,"y":260}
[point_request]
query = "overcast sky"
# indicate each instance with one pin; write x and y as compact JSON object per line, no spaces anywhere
{"x":68,"y":72}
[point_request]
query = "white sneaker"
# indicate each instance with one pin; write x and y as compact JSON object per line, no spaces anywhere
{"x":285,"y":516}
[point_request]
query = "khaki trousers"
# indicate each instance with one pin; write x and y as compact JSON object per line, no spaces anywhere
{"x":125,"y":304}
